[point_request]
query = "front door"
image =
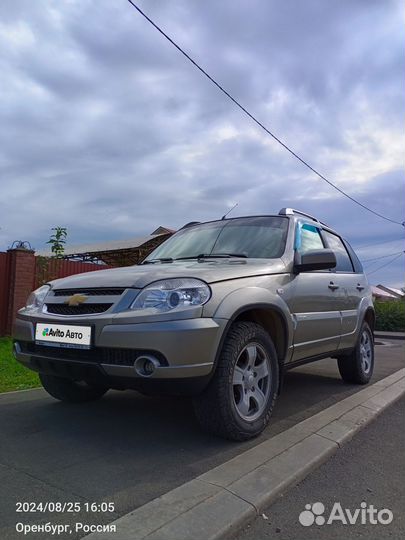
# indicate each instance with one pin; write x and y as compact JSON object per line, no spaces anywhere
{"x":316,"y":303}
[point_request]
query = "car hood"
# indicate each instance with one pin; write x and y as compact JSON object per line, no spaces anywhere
{"x":141,"y":275}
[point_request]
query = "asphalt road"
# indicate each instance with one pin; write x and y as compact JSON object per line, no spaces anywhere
{"x":370,"y":469}
{"x":129,"y":449}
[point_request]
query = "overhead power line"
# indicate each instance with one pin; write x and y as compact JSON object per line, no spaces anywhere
{"x":252,"y":117}
{"x":384,"y":265}
{"x":382,"y":257}
{"x":379,"y":243}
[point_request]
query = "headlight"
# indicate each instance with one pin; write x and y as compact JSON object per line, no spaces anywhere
{"x":36,"y":299}
{"x":172,"y":293}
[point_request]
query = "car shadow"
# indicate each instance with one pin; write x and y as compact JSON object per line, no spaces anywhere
{"x":135,"y":447}
{"x":136,"y":421}
{"x":134,"y":426}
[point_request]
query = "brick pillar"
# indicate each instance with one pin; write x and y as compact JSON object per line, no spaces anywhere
{"x":22,"y":275}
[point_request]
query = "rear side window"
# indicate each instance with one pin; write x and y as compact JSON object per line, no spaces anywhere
{"x":343,"y":262}
{"x":308,"y":238}
{"x":358,"y":267}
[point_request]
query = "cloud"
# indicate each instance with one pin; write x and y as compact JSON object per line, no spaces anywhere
{"x":106,"y":129}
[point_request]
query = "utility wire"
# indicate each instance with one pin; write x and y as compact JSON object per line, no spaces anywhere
{"x":382,"y":257}
{"x":384,"y":265}
{"x":379,"y":243}
{"x":262,"y":126}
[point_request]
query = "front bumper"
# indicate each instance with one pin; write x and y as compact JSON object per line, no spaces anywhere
{"x":185,"y":349}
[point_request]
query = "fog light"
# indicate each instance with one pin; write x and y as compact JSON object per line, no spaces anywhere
{"x":146,"y":365}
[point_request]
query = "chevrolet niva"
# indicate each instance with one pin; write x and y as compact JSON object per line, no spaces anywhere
{"x":219,"y":311}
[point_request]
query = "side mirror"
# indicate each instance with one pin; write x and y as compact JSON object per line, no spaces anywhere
{"x":319,"y":259}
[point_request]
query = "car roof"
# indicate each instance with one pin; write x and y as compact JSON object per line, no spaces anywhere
{"x":296,"y":217}
{"x":293,"y":216}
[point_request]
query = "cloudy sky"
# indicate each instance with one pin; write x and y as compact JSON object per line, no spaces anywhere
{"x":106,"y":129}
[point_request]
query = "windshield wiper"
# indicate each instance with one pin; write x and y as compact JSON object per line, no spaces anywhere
{"x":162,"y":260}
{"x":200,"y":256}
{"x":213,"y":256}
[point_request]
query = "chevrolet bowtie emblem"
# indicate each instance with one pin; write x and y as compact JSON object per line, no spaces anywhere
{"x":76,"y":299}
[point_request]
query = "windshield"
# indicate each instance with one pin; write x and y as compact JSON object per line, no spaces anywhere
{"x":255,"y":237}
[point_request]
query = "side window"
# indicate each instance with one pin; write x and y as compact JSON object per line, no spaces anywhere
{"x":358,"y":268}
{"x":308,"y":238}
{"x":343,"y":262}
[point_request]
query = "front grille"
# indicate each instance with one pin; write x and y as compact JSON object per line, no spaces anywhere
{"x":88,"y":292}
{"x":101,"y":355}
{"x":85,"y":355}
{"x":82,"y":309}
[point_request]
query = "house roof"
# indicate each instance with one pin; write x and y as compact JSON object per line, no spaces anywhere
{"x":108,"y":246}
{"x":117,"y":251}
{"x":380,"y":293}
{"x":163,"y":230}
{"x":391,"y":290}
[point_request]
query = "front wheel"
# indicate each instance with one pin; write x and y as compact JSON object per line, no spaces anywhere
{"x":71,"y":391}
{"x":358,"y":366}
{"x":238,"y":402}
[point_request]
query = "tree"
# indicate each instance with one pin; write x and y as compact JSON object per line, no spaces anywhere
{"x":58,"y":241}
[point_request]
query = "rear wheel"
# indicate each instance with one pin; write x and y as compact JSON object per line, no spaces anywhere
{"x":239,"y":400}
{"x":71,"y":391}
{"x":358,"y":366}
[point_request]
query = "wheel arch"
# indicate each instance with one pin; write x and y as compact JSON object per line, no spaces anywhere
{"x":369,"y":318}
{"x":271,"y":318}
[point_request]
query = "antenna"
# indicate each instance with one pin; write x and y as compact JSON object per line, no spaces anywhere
{"x":229,"y":211}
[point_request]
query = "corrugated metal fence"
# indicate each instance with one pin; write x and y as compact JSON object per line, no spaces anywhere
{"x":49,"y":269}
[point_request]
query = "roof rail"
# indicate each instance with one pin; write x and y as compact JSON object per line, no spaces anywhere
{"x":292,"y":211}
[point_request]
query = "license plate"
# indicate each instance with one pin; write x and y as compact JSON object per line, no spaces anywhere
{"x":63,"y":335}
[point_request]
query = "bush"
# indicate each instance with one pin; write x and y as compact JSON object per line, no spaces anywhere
{"x":390,"y":316}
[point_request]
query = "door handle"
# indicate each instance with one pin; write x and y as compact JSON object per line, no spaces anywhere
{"x":359,"y":287}
{"x":332,"y":286}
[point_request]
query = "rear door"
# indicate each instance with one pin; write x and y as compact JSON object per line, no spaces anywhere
{"x":351,"y":278}
{"x":317,"y":301}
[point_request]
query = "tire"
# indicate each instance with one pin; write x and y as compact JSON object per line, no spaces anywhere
{"x":238,"y":402}
{"x":358,"y":366}
{"x":71,"y":391}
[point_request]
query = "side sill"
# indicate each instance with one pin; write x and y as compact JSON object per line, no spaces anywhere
{"x":303,"y":361}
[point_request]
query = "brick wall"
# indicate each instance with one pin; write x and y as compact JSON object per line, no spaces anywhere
{"x":21,"y":281}
{"x":4,"y":290}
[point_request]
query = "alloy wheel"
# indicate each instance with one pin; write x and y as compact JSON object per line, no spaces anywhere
{"x":251,"y":382}
{"x":365,"y":352}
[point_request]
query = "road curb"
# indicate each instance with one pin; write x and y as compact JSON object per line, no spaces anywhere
{"x":14,"y":396}
{"x":220,"y":501}
{"x":389,"y":335}
{"x":12,"y":392}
